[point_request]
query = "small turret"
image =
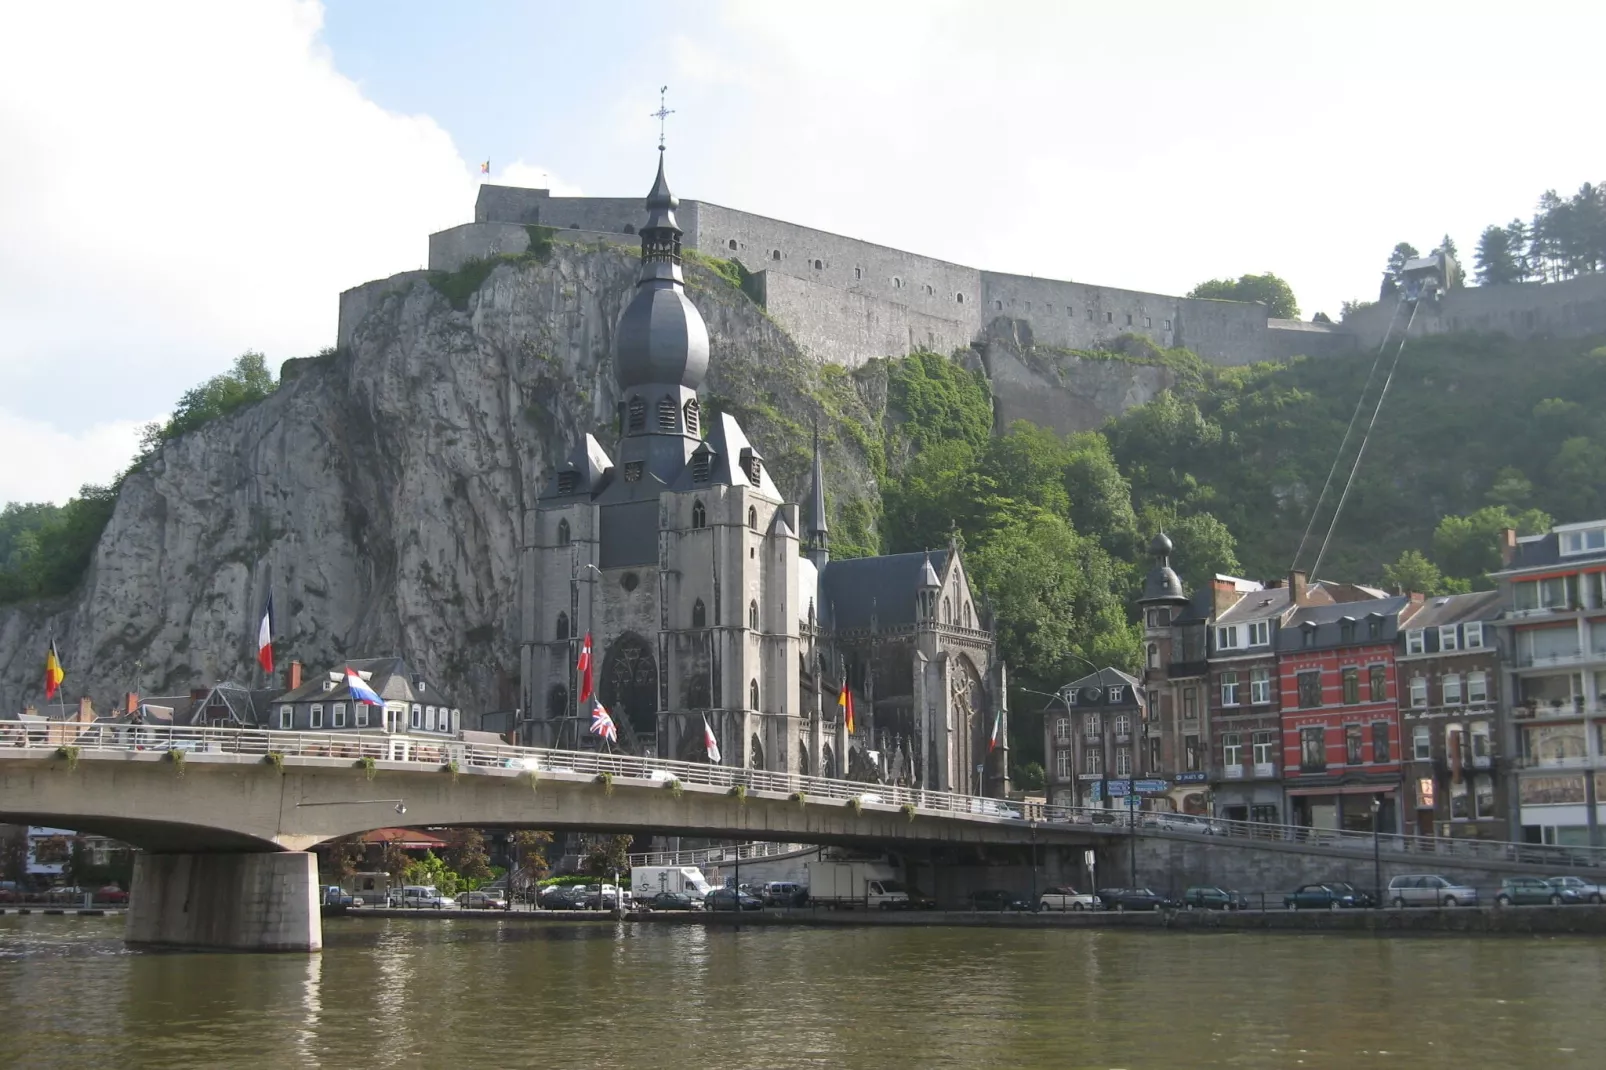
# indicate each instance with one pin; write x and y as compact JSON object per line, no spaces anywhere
{"x":1161,"y":586}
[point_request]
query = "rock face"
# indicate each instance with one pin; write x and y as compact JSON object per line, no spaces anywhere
{"x":1063,"y":391}
{"x":380,"y":490}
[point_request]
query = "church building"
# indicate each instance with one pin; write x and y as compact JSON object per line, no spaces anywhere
{"x":708,"y":596}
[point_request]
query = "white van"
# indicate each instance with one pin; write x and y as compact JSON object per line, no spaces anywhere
{"x":648,"y":881}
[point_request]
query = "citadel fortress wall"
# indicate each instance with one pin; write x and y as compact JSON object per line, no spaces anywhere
{"x":846,"y":301}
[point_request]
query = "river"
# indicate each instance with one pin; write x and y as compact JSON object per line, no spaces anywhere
{"x":487,"y":994}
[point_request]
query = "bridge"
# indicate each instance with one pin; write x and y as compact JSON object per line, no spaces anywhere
{"x":226,"y":818}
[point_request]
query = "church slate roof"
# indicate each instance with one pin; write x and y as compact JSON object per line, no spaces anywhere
{"x":590,"y":465}
{"x":727,"y":447}
{"x":854,"y":588}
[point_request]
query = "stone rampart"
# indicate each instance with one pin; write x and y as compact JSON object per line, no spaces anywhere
{"x":836,"y":326}
{"x":1570,"y":309}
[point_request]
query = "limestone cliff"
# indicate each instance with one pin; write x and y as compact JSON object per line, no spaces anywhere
{"x":381,"y":488}
{"x":1070,"y":391}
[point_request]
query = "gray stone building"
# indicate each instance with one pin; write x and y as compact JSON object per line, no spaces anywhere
{"x":1456,"y":777}
{"x":706,"y":598}
{"x":323,"y":703}
{"x":1094,"y":748}
{"x":1552,"y":625}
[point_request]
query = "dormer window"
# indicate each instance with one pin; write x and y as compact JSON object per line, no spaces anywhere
{"x":667,"y":412}
{"x":328,"y":685}
{"x":637,"y":420}
{"x":1589,"y":540}
{"x":702,"y":463}
{"x":692,"y":412}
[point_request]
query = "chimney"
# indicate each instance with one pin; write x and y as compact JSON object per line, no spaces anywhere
{"x":130,"y":701}
{"x":86,"y":710}
{"x":1508,"y":546}
{"x":1297,"y":593}
{"x":1223,"y":593}
{"x":295,"y":675}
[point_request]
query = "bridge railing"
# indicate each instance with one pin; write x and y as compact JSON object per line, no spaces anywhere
{"x":503,"y":758}
{"x":707,"y":856}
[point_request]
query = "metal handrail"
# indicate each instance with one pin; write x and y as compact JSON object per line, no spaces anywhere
{"x":704,"y":856}
{"x":507,"y":759}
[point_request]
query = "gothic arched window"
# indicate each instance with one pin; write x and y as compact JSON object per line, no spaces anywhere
{"x":752,"y":694}
{"x":638,"y":415}
{"x":699,"y":614}
{"x":667,"y":412}
{"x":752,"y":517}
{"x":699,"y":515}
{"x":756,"y":759}
{"x":563,"y":533}
{"x":629,"y":684}
{"x":967,"y":614}
{"x":692,"y":413}
{"x":752,"y":615}
{"x":563,"y":626}
{"x":828,"y":762}
{"x":947,"y":611}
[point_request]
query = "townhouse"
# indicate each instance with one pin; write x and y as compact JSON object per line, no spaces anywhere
{"x":1093,"y":747}
{"x":1340,"y":717}
{"x":1448,"y":667}
{"x":1175,"y":671}
{"x":1552,"y":626}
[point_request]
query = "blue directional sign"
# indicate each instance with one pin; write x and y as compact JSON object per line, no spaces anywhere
{"x":1120,"y":787}
{"x":1150,"y":787}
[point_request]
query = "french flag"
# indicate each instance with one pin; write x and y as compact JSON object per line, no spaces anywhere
{"x":265,"y":637}
{"x":360,"y":690}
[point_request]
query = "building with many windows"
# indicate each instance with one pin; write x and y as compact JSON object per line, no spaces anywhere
{"x":323,"y":702}
{"x":1340,"y":712}
{"x":1177,"y":743}
{"x":1447,"y":662}
{"x":1553,"y":634}
{"x":1094,"y":747}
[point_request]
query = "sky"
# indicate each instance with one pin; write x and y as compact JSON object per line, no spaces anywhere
{"x":183,"y":181}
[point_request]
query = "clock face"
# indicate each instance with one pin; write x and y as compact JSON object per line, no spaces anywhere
{"x":1090,"y":694}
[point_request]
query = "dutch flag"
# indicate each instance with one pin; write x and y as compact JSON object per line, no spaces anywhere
{"x":360,"y":689}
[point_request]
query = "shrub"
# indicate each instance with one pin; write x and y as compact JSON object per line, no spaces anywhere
{"x":275,"y":759}
{"x":800,"y":797}
{"x":739,"y":793}
{"x":176,"y":756}
{"x":606,"y":780}
{"x":908,"y":810}
{"x":675,"y":788}
{"x":368,"y":767}
{"x":856,"y":804}
{"x":452,"y":768}
{"x":69,"y":754}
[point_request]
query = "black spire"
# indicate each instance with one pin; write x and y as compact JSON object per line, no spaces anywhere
{"x":818,"y":532}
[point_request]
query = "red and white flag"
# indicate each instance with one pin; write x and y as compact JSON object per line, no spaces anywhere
{"x":265,"y":637}
{"x":710,"y":744}
{"x":584,"y":668}
{"x":998,"y":724}
{"x":602,"y":724}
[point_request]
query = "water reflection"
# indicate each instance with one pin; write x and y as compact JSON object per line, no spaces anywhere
{"x":496,"y":993}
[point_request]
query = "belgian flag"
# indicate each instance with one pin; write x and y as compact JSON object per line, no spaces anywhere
{"x":54,"y":674}
{"x":844,"y":699}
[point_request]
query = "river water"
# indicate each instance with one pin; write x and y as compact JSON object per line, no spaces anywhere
{"x":482,"y":994}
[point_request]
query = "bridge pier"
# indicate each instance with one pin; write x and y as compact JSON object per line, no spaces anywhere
{"x":226,"y":902}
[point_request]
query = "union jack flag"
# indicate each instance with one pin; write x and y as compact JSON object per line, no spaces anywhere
{"x":602,"y":724}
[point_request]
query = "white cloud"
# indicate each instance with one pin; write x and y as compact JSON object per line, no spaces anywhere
{"x":180,"y":182}
{"x":46,"y":464}
{"x":535,"y":176}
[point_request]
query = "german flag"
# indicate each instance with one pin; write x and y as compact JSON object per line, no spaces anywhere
{"x":54,"y":674}
{"x":844,"y":700}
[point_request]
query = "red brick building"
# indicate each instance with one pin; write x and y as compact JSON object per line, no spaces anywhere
{"x":1339,"y":699}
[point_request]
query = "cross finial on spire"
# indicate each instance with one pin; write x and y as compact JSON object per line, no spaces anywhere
{"x":662,"y":114}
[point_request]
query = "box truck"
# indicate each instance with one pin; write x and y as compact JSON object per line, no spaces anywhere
{"x":849,"y":885}
{"x":648,"y":881}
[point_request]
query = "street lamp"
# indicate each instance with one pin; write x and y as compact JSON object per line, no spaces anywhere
{"x":1377,"y":857}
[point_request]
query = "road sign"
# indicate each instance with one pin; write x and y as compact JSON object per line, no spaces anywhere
{"x":1120,"y":787}
{"x":1150,"y":787}
{"x":1191,"y":778}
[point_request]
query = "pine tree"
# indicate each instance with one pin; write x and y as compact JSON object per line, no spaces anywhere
{"x":1495,"y":259}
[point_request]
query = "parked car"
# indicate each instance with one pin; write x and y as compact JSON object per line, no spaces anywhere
{"x":995,"y":899}
{"x":1587,"y":892}
{"x":673,"y":901}
{"x":481,"y":901}
{"x":1209,"y":897}
{"x":336,"y":896}
{"x":1429,"y":890}
{"x":1532,"y":891}
{"x":1068,"y":899}
{"x":113,"y":894}
{"x":1166,"y":821}
{"x":1320,"y":897}
{"x":65,"y":893}
{"x":1362,"y":898}
{"x":420,"y":897}
{"x":727,"y":899}
{"x":10,"y":892}
{"x":1124,"y":899}
{"x":783,"y":894}
{"x":561,"y":897}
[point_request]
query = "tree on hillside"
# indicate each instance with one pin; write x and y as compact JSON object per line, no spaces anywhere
{"x":1414,"y":572}
{"x":1391,"y":273}
{"x":1268,"y":289}
{"x":248,"y":380}
{"x":1468,"y":547}
{"x":1496,"y":258}
{"x":1202,"y":545}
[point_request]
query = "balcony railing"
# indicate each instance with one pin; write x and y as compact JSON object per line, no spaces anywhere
{"x":1529,"y":762}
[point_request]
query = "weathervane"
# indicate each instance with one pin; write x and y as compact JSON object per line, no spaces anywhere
{"x":662,"y":114}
